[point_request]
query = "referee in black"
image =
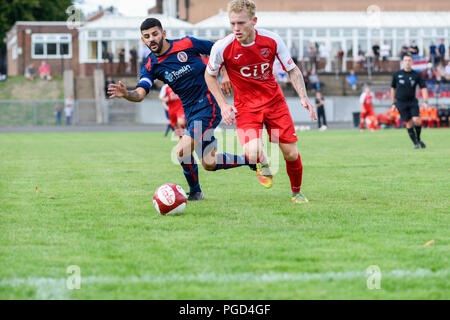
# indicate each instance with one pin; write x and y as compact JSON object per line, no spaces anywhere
{"x":403,"y":95}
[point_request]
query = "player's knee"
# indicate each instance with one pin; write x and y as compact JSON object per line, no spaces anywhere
{"x":208,"y":165}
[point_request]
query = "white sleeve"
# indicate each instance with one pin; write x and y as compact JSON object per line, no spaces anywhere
{"x":362,"y":97}
{"x":216,"y":56}
{"x":282,"y":51}
{"x":215,"y":60}
{"x":162,"y":92}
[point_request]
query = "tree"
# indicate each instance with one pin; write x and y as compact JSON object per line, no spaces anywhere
{"x":30,"y":10}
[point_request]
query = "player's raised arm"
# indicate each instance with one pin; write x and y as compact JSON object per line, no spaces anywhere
{"x":120,"y":91}
{"x":296,"y":78}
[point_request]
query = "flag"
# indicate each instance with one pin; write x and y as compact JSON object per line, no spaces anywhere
{"x":419,"y":63}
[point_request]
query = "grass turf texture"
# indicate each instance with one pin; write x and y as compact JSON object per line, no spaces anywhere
{"x":374,"y":200}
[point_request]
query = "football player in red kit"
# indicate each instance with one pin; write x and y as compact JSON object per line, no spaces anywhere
{"x":367,"y":114}
{"x":248,"y":55}
{"x":176,"y":112}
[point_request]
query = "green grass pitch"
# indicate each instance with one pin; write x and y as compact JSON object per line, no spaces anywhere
{"x":374,"y":201}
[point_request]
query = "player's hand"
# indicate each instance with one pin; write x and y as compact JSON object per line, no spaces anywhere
{"x":117,"y":90}
{"x":305,"y":103}
{"x":393,"y":107}
{"x":425,"y":105}
{"x":225,"y":85}
{"x":227,"y":113}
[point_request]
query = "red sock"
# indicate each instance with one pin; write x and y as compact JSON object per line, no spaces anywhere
{"x":295,"y":171}
{"x":361,"y":125}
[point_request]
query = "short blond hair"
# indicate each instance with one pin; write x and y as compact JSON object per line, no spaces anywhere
{"x":241,"y":5}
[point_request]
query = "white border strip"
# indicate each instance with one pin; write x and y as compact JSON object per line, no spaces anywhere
{"x":54,"y":288}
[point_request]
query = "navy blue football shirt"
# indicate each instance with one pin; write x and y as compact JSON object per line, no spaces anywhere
{"x":182,"y":68}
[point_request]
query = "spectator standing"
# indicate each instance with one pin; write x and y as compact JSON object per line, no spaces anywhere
{"x":314,"y":80}
{"x":320,"y":106}
{"x":133,"y":60}
{"x":352,"y":80}
{"x":58,"y":113}
{"x":110,"y":58}
{"x":441,"y":51}
{"x":340,"y":58}
{"x":434,"y":58}
{"x":413,"y":49}
{"x":121,"y":67}
{"x":404,"y":51}
{"x":312,"y":54}
{"x":385,"y":52}
{"x":376,"y":55}
{"x":68,"y":110}
{"x":324,"y":53}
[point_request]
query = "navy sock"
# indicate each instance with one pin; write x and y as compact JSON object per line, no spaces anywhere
{"x":169,"y":127}
{"x":227,"y":161}
{"x":190,"y":170}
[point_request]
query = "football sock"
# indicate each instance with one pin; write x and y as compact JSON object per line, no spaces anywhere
{"x":361,"y":125}
{"x":227,"y":161}
{"x":418,"y":130}
{"x":412,"y":135}
{"x":295,"y":171}
{"x":190,"y":170}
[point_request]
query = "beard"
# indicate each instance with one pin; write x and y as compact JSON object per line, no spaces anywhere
{"x":160,"y":44}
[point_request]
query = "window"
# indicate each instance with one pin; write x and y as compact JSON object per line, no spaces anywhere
{"x":413,"y":32}
{"x":38,"y":48}
{"x":387,"y":33}
{"x":321,"y":32}
{"x":51,"y":46}
{"x":92,"y":50}
{"x":106,"y":49}
{"x":64,"y":49}
{"x":307,"y":32}
{"x":334,"y":32}
{"x":51,"y":49}
{"x":348,"y":33}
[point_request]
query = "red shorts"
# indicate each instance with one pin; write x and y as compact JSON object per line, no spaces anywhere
{"x":175,"y":115}
{"x":365,"y":114}
{"x":276,"y":118}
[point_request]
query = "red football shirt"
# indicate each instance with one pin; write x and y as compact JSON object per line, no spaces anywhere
{"x":174,"y":102}
{"x":367,"y":101}
{"x":249,"y":67}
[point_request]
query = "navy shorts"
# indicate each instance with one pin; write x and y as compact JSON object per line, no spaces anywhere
{"x":200,"y":126}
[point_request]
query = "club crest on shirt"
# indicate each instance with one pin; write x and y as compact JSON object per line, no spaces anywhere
{"x":182,"y":56}
{"x":265,"y":52}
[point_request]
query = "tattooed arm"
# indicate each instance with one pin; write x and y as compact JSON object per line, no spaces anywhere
{"x":296,"y":78}
{"x":120,"y":91}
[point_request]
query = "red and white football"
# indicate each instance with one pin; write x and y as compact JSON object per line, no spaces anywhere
{"x":169,"y":199}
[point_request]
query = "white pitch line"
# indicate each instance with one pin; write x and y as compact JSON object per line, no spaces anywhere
{"x":55,"y":288}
